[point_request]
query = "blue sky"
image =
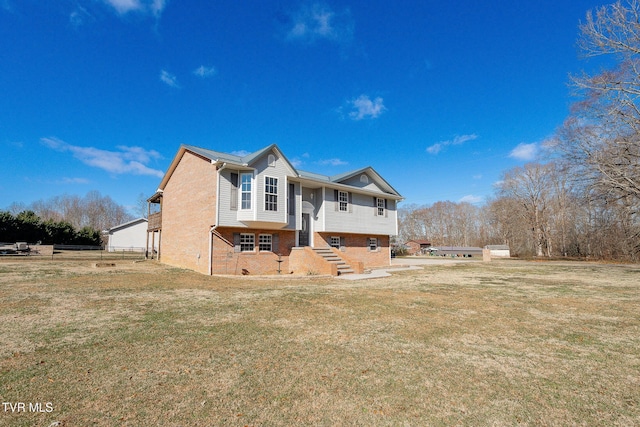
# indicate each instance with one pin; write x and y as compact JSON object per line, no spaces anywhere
{"x":439,"y":97}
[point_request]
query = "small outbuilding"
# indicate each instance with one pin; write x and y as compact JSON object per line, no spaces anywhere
{"x":499,"y":251}
{"x":458,"y":251}
{"x":130,"y":236}
{"x":417,"y":247}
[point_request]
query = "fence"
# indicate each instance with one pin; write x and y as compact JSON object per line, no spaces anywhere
{"x":80,"y":252}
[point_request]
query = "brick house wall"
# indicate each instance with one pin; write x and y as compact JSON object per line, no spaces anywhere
{"x":227,"y":261}
{"x":188,"y":212}
{"x":356,"y":248}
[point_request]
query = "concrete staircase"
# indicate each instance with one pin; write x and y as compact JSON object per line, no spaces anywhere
{"x":329,"y":256}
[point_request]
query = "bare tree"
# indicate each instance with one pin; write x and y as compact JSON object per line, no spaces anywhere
{"x":529,"y":186}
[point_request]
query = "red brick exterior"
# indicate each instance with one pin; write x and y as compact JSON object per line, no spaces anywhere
{"x":188,"y":212}
{"x":356,"y":248}
{"x":226,"y":260}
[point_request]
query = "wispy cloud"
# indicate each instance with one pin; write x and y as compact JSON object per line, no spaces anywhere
{"x":74,"y":181}
{"x":332,"y":162}
{"x":470,"y":198}
{"x":127,"y":160}
{"x":153,"y":7}
{"x":169,"y":79}
{"x":364,"y":107}
{"x":524,"y":151}
{"x":203,"y":71}
{"x":318,"y":21}
{"x":457,"y":140}
{"x":240,"y":153}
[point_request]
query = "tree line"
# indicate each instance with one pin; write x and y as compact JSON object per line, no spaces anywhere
{"x":583,"y":198}
{"x":65,"y":219}
{"x":29,"y":227}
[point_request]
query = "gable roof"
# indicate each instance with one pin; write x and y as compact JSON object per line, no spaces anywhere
{"x":248,"y":159}
{"x":127,"y":224}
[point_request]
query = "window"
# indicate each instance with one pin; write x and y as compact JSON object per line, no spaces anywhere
{"x":270,"y":193}
{"x":364,"y":179}
{"x":343,"y":201}
{"x":292,"y":199}
{"x":372,"y":243}
{"x":271,"y":160}
{"x":380,"y":204}
{"x":265,"y":242}
{"x":334,"y":242}
{"x":247,"y":242}
{"x":246,"y":190}
{"x":234,"y":191}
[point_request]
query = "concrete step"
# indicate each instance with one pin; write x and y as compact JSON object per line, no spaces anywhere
{"x":330,"y":256}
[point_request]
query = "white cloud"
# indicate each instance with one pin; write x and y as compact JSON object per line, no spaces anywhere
{"x":74,"y":181}
{"x":129,"y":160}
{"x":332,"y":162}
{"x":457,"y":140}
{"x":524,"y":151}
{"x":319,"y":21}
{"x":240,"y":153}
{"x":434,"y":149}
{"x":204,"y":72}
{"x":153,"y":7}
{"x":363,"y":107}
{"x":470,"y":198}
{"x":169,"y":79}
{"x":477,"y":177}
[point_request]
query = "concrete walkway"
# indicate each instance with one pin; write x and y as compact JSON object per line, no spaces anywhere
{"x":409,"y":263}
{"x":374,"y":274}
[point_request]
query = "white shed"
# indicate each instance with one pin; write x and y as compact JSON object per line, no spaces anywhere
{"x":130,"y":236}
{"x":499,"y":251}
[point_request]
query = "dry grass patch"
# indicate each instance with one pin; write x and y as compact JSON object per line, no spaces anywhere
{"x":472,"y":344}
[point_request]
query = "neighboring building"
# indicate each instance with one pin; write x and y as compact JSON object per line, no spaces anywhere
{"x":130,"y":236}
{"x":458,"y":251}
{"x":417,"y":247}
{"x":499,"y":251}
{"x":219,"y":213}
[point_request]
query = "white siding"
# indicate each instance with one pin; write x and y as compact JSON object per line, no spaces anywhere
{"x":361,"y":217}
{"x":226,"y":216}
{"x":132,"y":237}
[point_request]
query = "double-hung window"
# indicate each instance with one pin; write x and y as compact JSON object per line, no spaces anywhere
{"x":380,"y":205}
{"x":372,"y":243}
{"x":343,"y":201}
{"x":270,"y":193}
{"x":245,"y":190}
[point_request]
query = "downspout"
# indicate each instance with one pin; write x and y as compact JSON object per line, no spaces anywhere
{"x":213,"y":227}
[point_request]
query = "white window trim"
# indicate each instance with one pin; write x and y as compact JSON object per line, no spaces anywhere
{"x":266,"y":194}
{"x":371,"y":247}
{"x":334,"y":242}
{"x":247,"y":239}
{"x":261,"y":243}
{"x":242,"y":191}
{"x":341,"y":201}
{"x":380,"y":206}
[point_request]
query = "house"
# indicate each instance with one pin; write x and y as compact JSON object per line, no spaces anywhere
{"x":220,"y":213}
{"x":130,"y":236}
{"x":499,"y":251}
{"x":417,"y":247}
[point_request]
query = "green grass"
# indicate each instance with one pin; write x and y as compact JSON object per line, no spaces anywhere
{"x":506,"y":343}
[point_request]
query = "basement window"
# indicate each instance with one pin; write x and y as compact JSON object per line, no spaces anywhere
{"x":265,"y":242}
{"x":247,"y":242}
